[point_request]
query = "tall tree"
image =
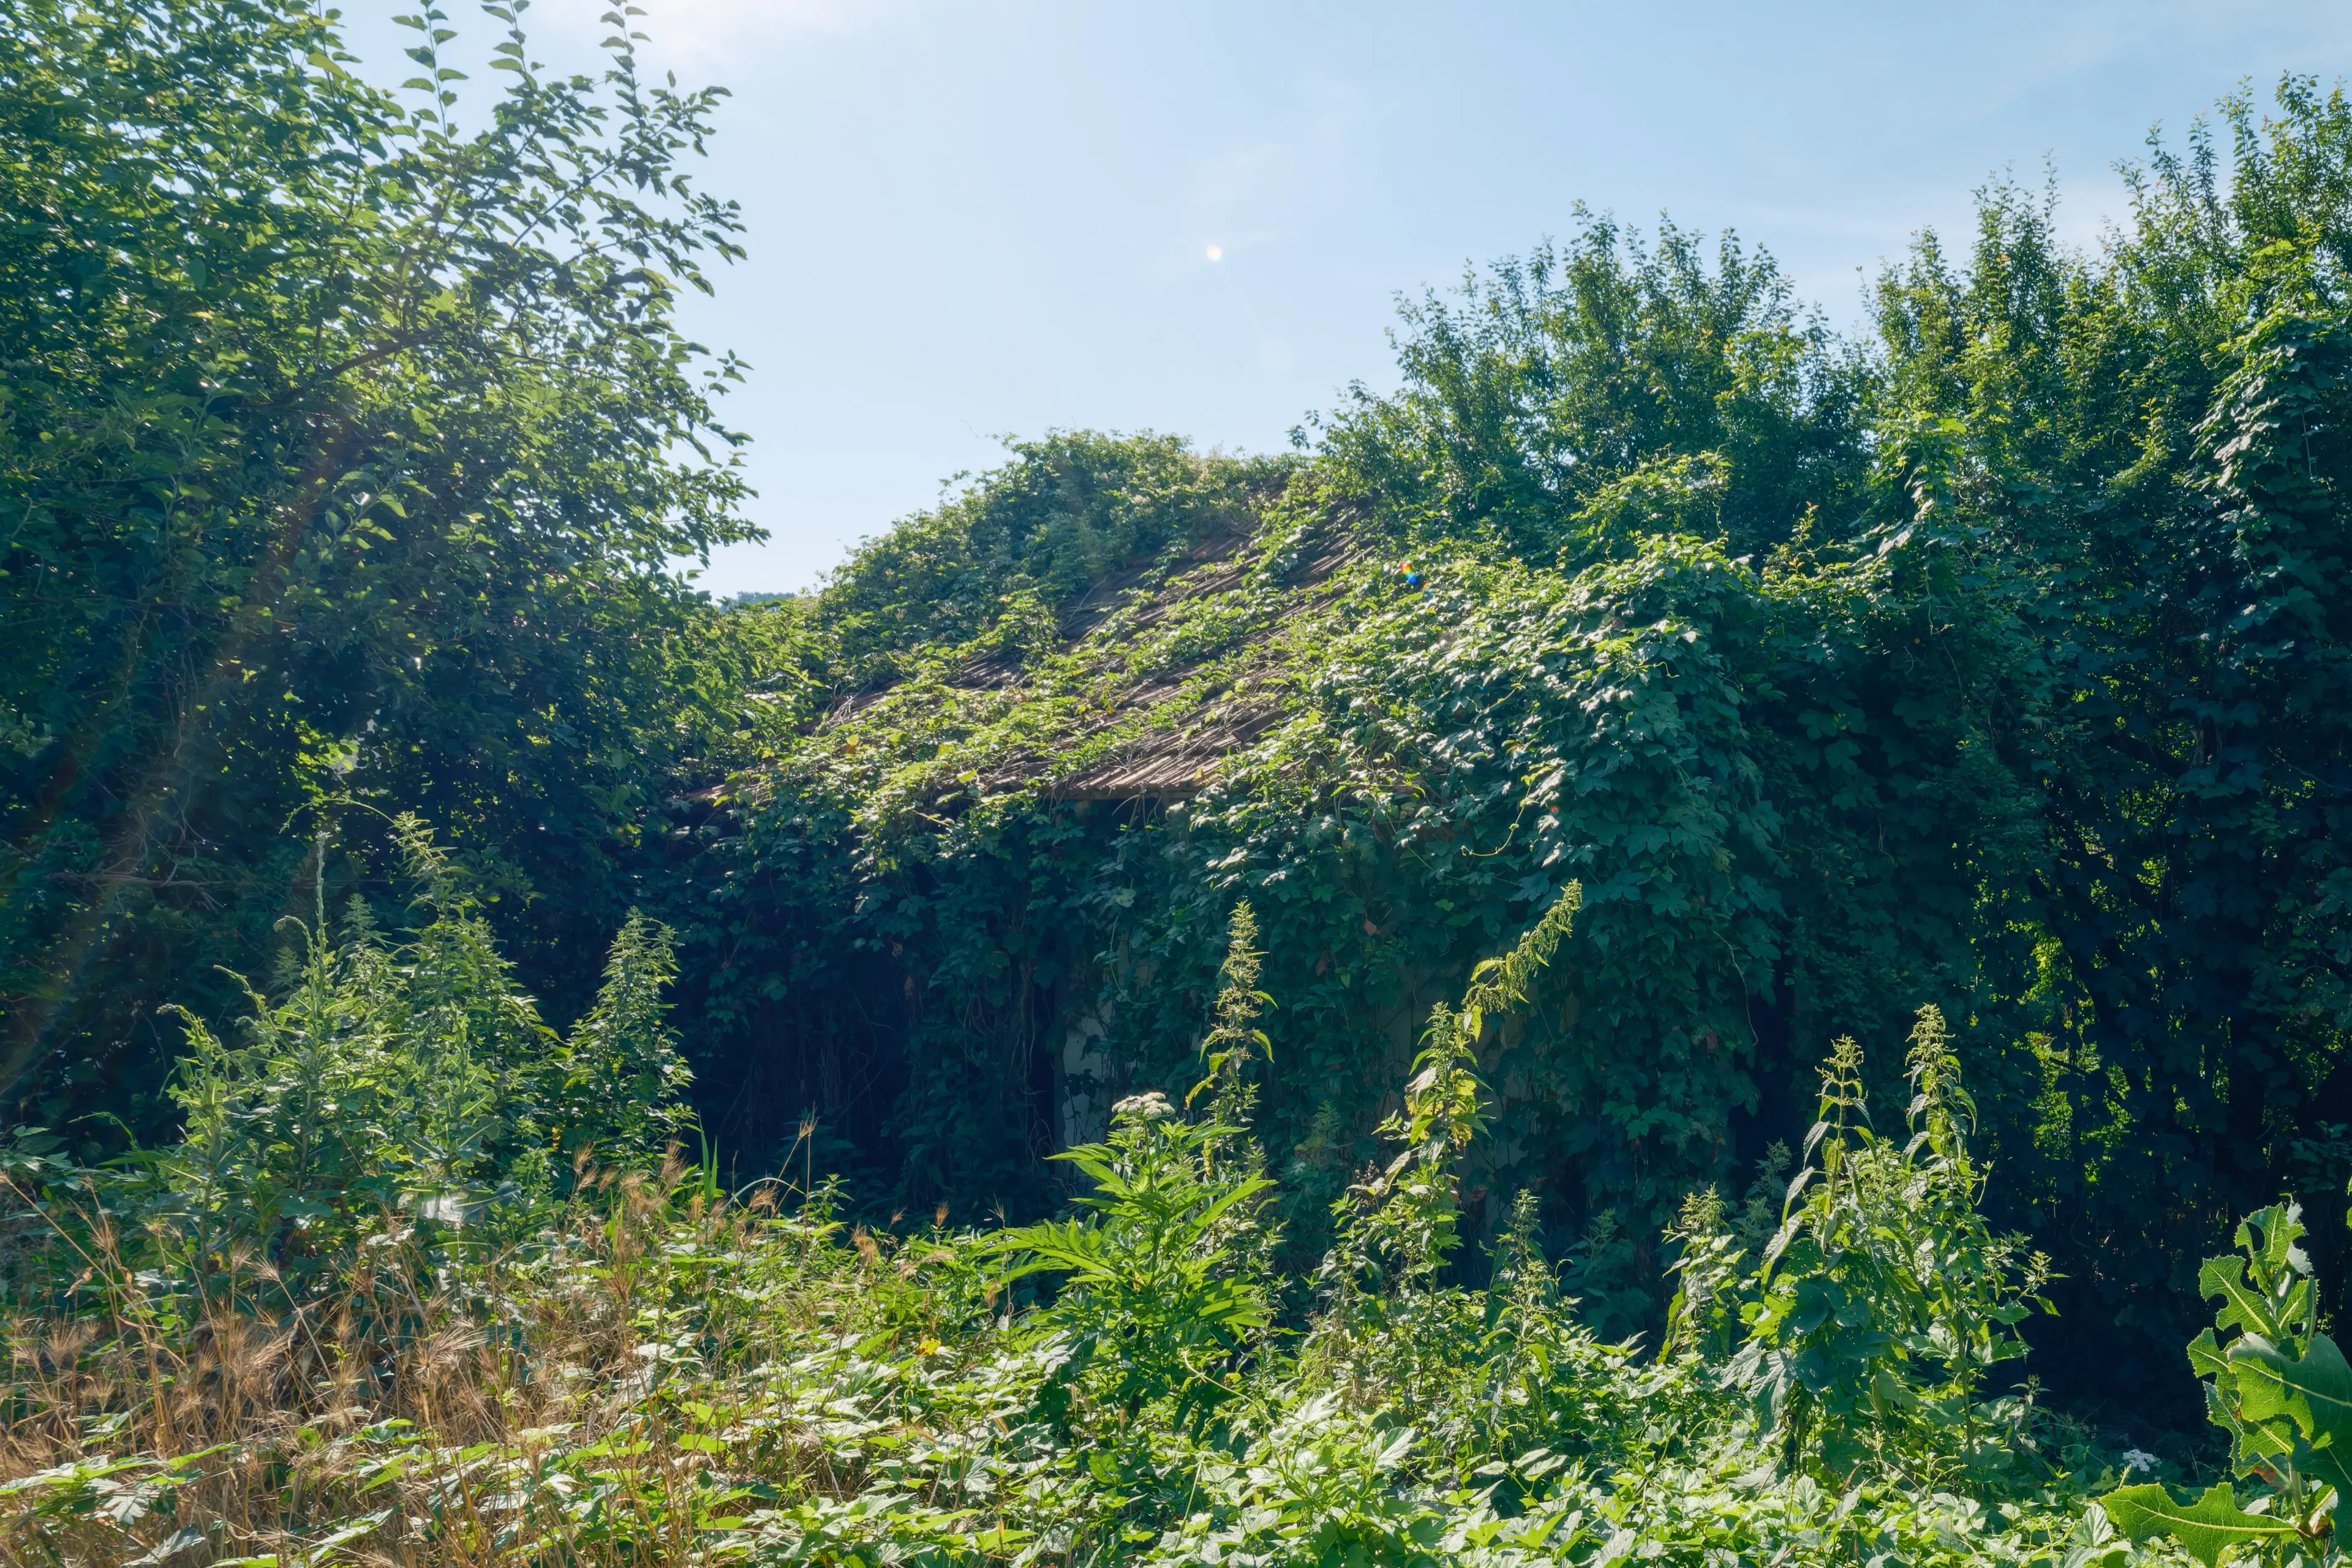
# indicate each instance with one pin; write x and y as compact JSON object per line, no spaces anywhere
{"x":2138,"y":460}
{"x":343,"y":448}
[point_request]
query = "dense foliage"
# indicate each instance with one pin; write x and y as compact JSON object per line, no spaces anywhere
{"x":1995,"y":664}
{"x":1990,"y":663}
{"x":343,"y":448}
{"x":634,"y":1366}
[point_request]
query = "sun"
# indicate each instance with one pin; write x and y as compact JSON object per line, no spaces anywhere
{"x":1216,"y":253}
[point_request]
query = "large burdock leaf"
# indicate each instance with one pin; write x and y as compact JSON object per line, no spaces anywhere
{"x":2207,"y":1527}
{"x":2314,"y":1392}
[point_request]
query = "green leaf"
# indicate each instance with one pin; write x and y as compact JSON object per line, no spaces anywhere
{"x":2280,"y":1227}
{"x":2326,"y":1464}
{"x":2206,"y":1528}
{"x":2243,"y":1307}
{"x":2314,"y":1392}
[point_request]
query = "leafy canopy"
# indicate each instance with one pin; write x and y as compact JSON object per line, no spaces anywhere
{"x":345,"y":442}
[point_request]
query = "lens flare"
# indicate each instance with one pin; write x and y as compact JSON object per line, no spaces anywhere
{"x":1216,"y":253}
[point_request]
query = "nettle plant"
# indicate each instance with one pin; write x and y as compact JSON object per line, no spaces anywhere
{"x":1884,"y":1301}
{"x":2282,"y":1390}
{"x":1396,"y":1229}
{"x":1167,"y":1281}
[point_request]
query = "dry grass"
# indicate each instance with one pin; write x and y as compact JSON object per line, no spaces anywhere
{"x":445,"y":1405}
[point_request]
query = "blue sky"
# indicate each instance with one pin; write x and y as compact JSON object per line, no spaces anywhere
{"x":970,"y":218}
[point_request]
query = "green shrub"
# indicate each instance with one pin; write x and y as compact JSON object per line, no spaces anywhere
{"x":399,"y":1082}
{"x":1151,"y":1307}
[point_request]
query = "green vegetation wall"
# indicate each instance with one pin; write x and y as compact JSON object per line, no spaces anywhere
{"x":1999,"y":665}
